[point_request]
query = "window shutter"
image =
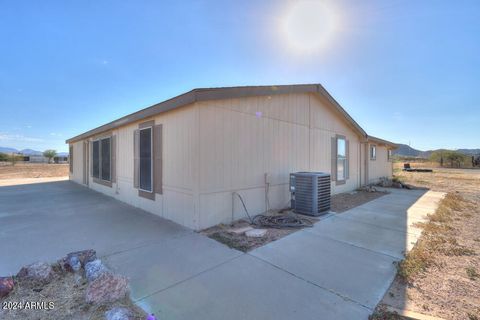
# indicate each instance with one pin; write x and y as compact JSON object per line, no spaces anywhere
{"x":113,"y":159}
{"x":157,"y":159}
{"x":84,"y":163}
{"x":136,"y":158}
{"x":347,"y":164}
{"x":71,"y":158}
{"x":333,"y":172}
{"x":90,"y":158}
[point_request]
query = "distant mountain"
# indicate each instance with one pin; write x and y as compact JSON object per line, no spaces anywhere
{"x":30,"y":152}
{"x":7,"y":150}
{"x":470,"y":152}
{"x":407,"y":151}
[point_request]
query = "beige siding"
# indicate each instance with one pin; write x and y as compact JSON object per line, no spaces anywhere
{"x":77,"y":174}
{"x":243,"y":139}
{"x":380,"y":167}
{"x":325,"y":125}
{"x":179,"y":168}
{"x":214,"y":148}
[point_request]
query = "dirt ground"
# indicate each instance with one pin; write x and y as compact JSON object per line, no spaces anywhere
{"x":339,"y":203}
{"x":449,"y":287}
{"x":33,"y":170}
{"x":345,"y":201}
{"x":67,"y":296}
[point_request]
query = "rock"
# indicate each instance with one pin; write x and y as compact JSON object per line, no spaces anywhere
{"x":119,"y":314}
{"x":397,"y":185}
{"x":6,"y":286}
{"x":256,"y":233}
{"x":94,"y":269}
{"x":75,"y":263}
{"x":69,"y":263}
{"x":39,"y":271}
{"x":107,"y":288}
{"x":240,"y":230}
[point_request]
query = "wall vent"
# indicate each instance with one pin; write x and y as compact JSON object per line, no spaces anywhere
{"x":310,"y":192}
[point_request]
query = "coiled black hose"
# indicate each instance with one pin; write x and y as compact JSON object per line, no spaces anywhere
{"x":282,"y":221}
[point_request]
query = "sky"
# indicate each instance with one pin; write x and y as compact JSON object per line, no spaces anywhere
{"x":406,"y":71}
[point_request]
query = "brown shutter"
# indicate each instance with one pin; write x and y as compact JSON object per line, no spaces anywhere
{"x":113,"y":159}
{"x":90,"y":160}
{"x":157,"y":159}
{"x":136,"y":158}
{"x":84,"y":163}
{"x":347,"y":164}
{"x":333,"y":172}
{"x":70,"y":151}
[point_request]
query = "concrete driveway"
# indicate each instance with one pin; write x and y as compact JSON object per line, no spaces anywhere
{"x":339,"y":269}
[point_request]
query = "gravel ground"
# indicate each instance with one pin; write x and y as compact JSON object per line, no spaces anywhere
{"x":450,"y":288}
{"x":33,"y":170}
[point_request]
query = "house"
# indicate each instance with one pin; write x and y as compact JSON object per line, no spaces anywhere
{"x":183,"y":158}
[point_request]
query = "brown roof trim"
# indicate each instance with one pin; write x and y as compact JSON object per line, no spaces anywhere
{"x":205,"y":94}
{"x":378,"y":140}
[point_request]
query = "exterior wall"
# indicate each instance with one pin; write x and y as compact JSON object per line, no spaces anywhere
{"x":381,"y":167}
{"x":214,"y":148}
{"x":179,"y":144}
{"x":243,"y":139}
{"x":77,"y":174}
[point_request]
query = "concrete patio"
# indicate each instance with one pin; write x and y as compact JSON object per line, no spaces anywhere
{"x":338,"y":269}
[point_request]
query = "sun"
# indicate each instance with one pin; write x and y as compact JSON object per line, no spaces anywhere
{"x":308,"y":25}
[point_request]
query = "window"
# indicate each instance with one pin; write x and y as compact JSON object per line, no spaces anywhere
{"x":146,"y":169}
{"x":389,"y":154}
{"x":341,"y":159}
{"x":101,"y":159}
{"x":105,"y":156}
{"x":373,"y":152}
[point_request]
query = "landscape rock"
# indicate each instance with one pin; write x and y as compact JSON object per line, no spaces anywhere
{"x":69,"y":263}
{"x":119,"y":314}
{"x":75,"y":263}
{"x":256,"y":233}
{"x":39,"y":271}
{"x":6,"y":286}
{"x":95,"y":269}
{"x":107,"y":288}
{"x":397,"y":185}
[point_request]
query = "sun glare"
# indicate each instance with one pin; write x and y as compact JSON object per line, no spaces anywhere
{"x":308,"y":26}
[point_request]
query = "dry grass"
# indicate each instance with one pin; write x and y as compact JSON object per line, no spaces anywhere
{"x":68,"y":297}
{"x":33,"y":170}
{"x":438,"y":238}
{"x":440,"y":276}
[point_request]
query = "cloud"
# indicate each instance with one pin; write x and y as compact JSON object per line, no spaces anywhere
{"x":18,"y":137}
{"x":55,"y":134}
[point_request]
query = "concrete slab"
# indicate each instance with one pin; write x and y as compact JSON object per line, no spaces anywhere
{"x":59,"y":217}
{"x":248,"y":288}
{"x":385,"y":219}
{"x":359,"y":274}
{"x":386,"y":241}
{"x":154,"y":267}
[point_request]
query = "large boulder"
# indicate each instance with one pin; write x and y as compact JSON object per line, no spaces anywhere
{"x":95,"y":269}
{"x":77,"y":259}
{"x":107,"y":288}
{"x":119,"y":314}
{"x":39,"y":271}
{"x":6,"y":286}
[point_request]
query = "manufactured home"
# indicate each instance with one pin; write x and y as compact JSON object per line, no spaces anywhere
{"x":184,"y":158}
